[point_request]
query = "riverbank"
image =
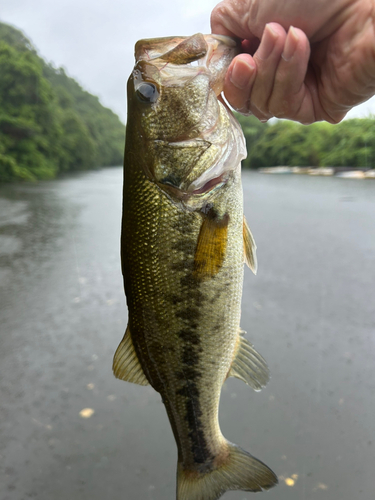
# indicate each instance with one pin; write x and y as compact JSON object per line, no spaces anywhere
{"x":345,"y":172}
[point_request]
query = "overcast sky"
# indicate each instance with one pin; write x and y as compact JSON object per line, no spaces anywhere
{"x":94,"y":39}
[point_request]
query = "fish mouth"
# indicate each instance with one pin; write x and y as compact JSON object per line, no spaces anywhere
{"x":233,"y":151}
{"x":181,"y":49}
{"x":206,"y":176}
{"x":211,"y":54}
{"x":176,"y":194}
{"x":211,"y":184}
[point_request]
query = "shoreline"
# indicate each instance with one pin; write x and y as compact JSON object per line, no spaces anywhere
{"x":344,"y":172}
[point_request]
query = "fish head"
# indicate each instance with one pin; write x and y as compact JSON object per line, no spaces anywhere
{"x":190,"y":142}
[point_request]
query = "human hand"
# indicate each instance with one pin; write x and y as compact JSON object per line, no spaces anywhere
{"x":318,"y":70}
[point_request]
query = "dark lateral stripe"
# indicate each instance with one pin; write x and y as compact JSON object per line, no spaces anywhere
{"x":189,"y":375}
{"x":193,"y":416}
{"x":188,"y":302}
{"x":199,"y":447}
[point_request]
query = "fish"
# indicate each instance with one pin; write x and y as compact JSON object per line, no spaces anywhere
{"x":184,"y":242}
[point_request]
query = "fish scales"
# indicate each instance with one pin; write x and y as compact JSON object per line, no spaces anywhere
{"x":203,"y":317}
{"x":182,"y":261}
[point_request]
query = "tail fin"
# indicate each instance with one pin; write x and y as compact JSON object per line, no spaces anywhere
{"x":240,"y":471}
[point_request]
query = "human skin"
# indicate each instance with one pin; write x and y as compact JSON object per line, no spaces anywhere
{"x":315,"y":60}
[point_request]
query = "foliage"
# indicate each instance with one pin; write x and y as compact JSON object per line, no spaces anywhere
{"x":48,"y":123}
{"x":350,"y":143}
{"x":253,"y":130}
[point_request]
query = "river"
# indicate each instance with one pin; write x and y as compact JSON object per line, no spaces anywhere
{"x":70,"y":430}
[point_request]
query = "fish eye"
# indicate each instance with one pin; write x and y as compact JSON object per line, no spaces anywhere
{"x":147,"y":92}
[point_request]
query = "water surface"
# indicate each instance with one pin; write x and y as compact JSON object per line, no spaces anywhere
{"x":309,"y":311}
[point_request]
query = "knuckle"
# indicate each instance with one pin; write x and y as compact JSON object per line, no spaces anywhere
{"x":219,"y":14}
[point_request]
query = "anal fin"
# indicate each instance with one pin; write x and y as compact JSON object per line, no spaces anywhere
{"x":126,"y":365}
{"x":248,"y":365}
{"x":249,"y":248}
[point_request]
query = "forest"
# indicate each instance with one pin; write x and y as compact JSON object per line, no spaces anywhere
{"x":48,"y":123}
{"x":350,"y":143}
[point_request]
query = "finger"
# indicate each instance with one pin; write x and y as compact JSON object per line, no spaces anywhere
{"x":318,"y":19}
{"x":238,"y":82}
{"x":291,"y":97}
{"x":267,"y":59}
{"x":230,"y":18}
{"x":250,"y":46}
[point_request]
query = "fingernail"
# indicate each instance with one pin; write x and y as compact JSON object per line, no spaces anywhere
{"x":244,"y":110}
{"x":267,"y":43}
{"x":290,"y":44}
{"x":241,"y":73}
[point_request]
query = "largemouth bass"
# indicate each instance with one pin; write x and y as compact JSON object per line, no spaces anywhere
{"x":184,"y":242}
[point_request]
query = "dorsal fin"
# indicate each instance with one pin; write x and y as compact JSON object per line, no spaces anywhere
{"x":126,"y":365}
{"x":249,"y":247}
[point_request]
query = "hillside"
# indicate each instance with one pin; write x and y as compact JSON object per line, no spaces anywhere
{"x":48,"y":123}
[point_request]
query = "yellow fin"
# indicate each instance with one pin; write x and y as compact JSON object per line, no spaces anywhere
{"x":126,"y":365}
{"x":211,"y":245}
{"x":248,"y":365}
{"x":238,"y":471}
{"x":249,"y":248}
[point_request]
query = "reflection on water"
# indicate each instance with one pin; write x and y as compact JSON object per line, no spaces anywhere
{"x":68,"y":429}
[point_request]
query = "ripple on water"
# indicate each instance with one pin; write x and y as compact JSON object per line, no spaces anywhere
{"x":13,"y":212}
{"x":9,"y":245}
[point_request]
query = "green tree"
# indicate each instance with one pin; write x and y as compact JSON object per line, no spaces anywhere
{"x":253,"y":130}
{"x":350,"y":143}
{"x":48,"y":123}
{"x":28,"y":124}
{"x":283,"y":143}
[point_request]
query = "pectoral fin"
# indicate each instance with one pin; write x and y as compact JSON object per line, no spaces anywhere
{"x":126,"y":365}
{"x":211,"y":245}
{"x":248,"y":365}
{"x":249,"y":248}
